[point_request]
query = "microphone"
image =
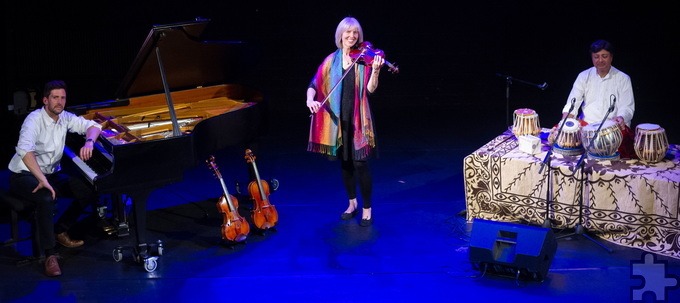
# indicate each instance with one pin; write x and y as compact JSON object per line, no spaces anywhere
{"x":612,"y":102}
{"x":543,"y":86}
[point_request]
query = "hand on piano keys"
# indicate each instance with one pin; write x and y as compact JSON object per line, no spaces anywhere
{"x":99,"y":164}
{"x":89,"y":173}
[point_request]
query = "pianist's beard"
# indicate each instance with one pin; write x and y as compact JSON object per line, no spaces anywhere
{"x":55,"y":109}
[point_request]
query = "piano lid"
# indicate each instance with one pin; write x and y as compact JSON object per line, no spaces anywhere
{"x":187,"y":61}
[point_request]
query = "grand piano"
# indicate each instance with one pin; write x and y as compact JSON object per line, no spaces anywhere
{"x":179,"y":103}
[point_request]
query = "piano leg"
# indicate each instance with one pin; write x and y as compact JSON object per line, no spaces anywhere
{"x":139,"y":214}
{"x":142,"y":251}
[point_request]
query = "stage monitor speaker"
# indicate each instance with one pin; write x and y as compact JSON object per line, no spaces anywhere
{"x":508,"y":249}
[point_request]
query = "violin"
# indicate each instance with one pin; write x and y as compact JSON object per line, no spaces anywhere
{"x":234,"y":227}
{"x":365,"y":53}
{"x":264,"y":214}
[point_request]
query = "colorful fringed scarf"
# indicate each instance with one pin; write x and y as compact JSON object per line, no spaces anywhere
{"x":324,"y":130}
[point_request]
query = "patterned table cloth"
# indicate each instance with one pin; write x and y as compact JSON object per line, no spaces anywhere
{"x":628,"y":202}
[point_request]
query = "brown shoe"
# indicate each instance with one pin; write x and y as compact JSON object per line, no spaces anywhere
{"x":52,"y":266}
{"x":65,"y":240}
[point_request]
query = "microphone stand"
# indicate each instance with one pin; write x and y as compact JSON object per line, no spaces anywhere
{"x":546,"y":160}
{"x":579,"y":230}
{"x":508,"y":82}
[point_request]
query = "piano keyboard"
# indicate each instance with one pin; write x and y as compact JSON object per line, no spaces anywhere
{"x":97,"y":165}
{"x":84,"y":168}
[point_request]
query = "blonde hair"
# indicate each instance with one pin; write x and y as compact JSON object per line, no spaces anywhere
{"x":344,"y":25}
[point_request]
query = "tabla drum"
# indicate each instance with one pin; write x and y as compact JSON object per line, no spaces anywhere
{"x":525,"y":122}
{"x":605,"y":145}
{"x":651,"y":142}
{"x":569,"y":141}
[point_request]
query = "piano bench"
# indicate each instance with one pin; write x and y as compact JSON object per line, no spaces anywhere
{"x":14,"y":208}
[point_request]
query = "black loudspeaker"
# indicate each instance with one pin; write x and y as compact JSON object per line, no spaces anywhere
{"x":508,"y":249}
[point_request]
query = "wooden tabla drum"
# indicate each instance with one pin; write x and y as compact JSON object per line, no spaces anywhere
{"x":651,"y":142}
{"x":525,"y":122}
{"x":569,"y":141}
{"x":606,"y":144}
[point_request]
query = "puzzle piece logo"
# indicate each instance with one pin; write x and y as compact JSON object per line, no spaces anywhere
{"x":656,"y":281}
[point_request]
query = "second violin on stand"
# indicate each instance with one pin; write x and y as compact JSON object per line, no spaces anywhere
{"x":264,"y":213}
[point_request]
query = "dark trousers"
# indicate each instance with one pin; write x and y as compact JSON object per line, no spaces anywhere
{"x":354,"y":172}
{"x":357,"y":173}
{"x":66,"y":186}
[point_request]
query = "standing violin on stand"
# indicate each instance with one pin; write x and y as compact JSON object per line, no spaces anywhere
{"x":234,"y":227}
{"x":264,"y":214}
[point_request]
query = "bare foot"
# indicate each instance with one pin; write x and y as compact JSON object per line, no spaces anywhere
{"x":352,"y":206}
{"x":366,"y":213}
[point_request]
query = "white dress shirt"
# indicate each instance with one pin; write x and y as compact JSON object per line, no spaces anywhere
{"x":46,"y":139}
{"x":594,"y":95}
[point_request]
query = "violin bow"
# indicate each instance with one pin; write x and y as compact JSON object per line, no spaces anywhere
{"x":340,"y":81}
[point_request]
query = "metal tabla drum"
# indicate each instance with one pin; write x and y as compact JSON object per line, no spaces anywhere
{"x":569,"y":141}
{"x":525,"y":122}
{"x":605,"y":145}
{"x":651,"y":142}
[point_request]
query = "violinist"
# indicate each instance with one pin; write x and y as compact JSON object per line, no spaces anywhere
{"x":342,"y":125}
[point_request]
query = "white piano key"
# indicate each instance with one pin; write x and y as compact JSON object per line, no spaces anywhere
{"x":89,"y":173}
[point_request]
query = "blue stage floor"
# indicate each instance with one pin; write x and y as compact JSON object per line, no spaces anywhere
{"x":417,"y":248}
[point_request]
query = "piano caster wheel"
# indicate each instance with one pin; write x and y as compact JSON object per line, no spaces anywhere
{"x":145,"y":254}
{"x":150,"y":264}
{"x":118,"y":254}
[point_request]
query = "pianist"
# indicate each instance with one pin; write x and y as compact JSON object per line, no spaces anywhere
{"x":37,"y":175}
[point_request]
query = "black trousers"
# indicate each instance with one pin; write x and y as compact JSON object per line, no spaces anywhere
{"x":66,"y":186}
{"x":357,"y":173}
{"x":354,"y":172}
